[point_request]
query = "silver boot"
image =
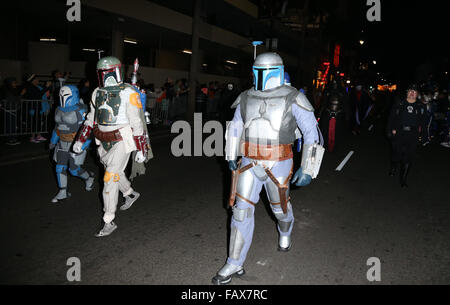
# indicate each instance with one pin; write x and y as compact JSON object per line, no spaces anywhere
{"x":284,"y":243}
{"x":107,"y":229}
{"x":225,"y":274}
{"x":62,"y":194}
{"x":129,"y":200}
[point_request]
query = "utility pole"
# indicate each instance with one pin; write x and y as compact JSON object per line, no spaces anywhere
{"x":195,"y":56}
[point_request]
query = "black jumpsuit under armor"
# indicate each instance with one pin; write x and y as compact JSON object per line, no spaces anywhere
{"x":407,"y":120}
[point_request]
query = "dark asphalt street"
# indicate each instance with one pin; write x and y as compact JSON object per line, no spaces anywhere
{"x":176,"y":233}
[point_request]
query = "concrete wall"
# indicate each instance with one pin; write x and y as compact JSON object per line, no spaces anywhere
{"x":158,"y":76}
{"x":245,"y":6}
{"x":161,"y":16}
{"x":46,"y":57}
{"x":13,"y":68}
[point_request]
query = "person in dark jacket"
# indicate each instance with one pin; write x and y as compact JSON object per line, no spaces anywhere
{"x":227,"y":98}
{"x":35,"y":92}
{"x":11,"y":96}
{"x":85,"y":91}
{"x":404,"y":126}
{"x":361,"y":105}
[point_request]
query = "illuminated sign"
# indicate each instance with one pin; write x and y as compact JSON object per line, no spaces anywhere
{"x":337,"y":52}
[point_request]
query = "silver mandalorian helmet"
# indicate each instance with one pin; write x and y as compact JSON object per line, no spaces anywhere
{"x":268,"y":71}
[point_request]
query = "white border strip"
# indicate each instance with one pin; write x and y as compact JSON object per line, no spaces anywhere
{"x":341,"y":166}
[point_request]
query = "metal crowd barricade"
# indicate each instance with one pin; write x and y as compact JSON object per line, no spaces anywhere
{"x":22,"y":117}
{"x":159,"y":111}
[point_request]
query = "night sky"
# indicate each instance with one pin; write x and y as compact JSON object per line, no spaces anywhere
{"x":411,"y":34}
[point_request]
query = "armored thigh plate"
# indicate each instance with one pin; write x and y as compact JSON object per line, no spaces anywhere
{"x":245,"y":184}
{"x":61,"y":147}
{"x":273,"y":192}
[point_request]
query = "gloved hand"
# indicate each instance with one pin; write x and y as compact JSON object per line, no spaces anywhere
{"x":301,"y":179}
{"x":77,"y":147}
{"x":139,"y":157}
{"x":233,"y":165}
{"x":51,"y":146}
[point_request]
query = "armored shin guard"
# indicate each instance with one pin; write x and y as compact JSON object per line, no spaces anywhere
{"x":284,"y":225}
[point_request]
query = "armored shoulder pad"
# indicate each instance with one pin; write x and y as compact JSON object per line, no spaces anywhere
{"x":302,"y":101}
{"x":238,"y":100}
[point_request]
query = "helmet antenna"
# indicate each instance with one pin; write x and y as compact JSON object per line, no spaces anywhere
{"x":255,"y":44}
{"x":99,"y":53}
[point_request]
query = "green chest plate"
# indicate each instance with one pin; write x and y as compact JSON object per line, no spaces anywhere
{"x":107,"y":104}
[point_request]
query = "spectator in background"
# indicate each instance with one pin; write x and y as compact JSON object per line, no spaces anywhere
{"x":38,"y":94}
{"x":227,"y":98}
{"x":150,"y":88}
{"x":200,"y":99}
{"x":181,"y":99}
{"x":169,"y":88}
{"x":211,"y":90}
{"x":59,"y":80}
{"x":12,"y":95}
{"x":444,"y":104}
{"x":361,"y":104}
{"x":180,"y":88}
{"x":84,"y":88}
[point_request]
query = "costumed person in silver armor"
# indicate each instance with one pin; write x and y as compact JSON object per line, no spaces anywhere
{"x":69,"y":116}
{"x":117,"y":120}
{"x":263,"y":130}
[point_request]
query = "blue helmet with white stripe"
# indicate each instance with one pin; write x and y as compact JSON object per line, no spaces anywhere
{"x":268,"y":71}
{"x":69,"y":96}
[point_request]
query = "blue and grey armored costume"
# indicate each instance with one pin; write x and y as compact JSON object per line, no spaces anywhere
{"x":69,"y":116}
{"x":269,"y":117}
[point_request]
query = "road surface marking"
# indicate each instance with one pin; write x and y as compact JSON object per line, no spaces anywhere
{"x":262,"y":263}
{"x":341,"y":166}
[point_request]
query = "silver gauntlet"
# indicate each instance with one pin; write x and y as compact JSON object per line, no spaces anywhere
{"x":312,"y":159}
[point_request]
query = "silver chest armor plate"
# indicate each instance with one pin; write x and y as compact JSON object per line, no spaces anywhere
{"x":267,"y":116}
{"x":66,"y":121}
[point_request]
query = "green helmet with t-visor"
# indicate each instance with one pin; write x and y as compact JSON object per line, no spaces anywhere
{"x":109,"y":71}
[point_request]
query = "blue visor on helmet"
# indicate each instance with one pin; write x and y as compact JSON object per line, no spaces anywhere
{"x":262,"y":75}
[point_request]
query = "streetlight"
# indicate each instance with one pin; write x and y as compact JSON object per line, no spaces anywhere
{"x":361,"y":42}
{"x":374,"y":62}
